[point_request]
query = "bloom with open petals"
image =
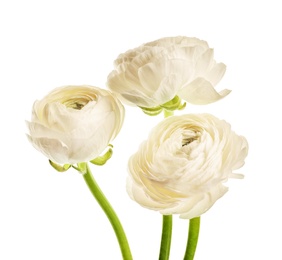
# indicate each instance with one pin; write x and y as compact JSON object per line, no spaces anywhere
{"x":181,"y":167}
{"x":156,"y":72}
{"x":74,"y":124}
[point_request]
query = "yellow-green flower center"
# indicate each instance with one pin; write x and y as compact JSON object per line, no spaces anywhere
{"x":76,"y":103}
{"x":190,"y":136}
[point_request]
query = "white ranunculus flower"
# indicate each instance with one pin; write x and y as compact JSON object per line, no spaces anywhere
{"x":182,"y":166}
{"x":154,"y":73}
{"x":74,"y":124}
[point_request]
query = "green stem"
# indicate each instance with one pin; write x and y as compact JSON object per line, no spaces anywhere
{"x":194,"y":228}
{"x":107,"y":208}
{"x":167,"y":222}
{"x":168,"y":113}
{"x":166,"y":237}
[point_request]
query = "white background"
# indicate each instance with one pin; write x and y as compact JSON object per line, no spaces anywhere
{"x":46,"y":44}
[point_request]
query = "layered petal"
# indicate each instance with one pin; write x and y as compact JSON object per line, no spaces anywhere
{"x":182,"y":166}
{"x":75,"y":124}
{"x":155,"y":72}
{"x":201,"y":92}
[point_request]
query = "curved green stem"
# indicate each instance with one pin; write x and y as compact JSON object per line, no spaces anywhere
{"x":194,"y":228}
{"x":107,"y":208}
{"x":166,"y":237}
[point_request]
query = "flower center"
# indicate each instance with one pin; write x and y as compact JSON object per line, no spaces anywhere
{"x":76,"y":104}
{"x":189,"y":136}
{"x":188,"y":141}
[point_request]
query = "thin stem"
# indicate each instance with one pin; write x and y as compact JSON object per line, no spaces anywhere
{"x":167,"y":222}
{"x":166,"y":237}
{"x":107,"y":208}
{"x":168,"y":113}
{"x":194,"y":228}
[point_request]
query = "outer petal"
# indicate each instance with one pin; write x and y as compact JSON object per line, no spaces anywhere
{"x":216,"y":73}
{"x":206,"y":203}
{"x":201,"y":92}
{"x":53,"y":149}
{"x":163,"y":78}
{"x":88,"y":147}
{"x":179,"y":40}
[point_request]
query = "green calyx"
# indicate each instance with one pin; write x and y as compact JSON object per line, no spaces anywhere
{"x":152,"y":111}
{"x":101,"y":160}
{"x":81,"y":167}
{"x":60,"y":168}
{"x":174,"y":104}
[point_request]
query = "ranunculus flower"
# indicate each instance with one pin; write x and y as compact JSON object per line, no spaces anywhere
{"x":74,"y":124}
{"x":154,"y":73}
{"x":182,"y":166}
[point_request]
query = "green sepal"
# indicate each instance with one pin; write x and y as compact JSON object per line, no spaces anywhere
{"x":60,"y":168}
{"x":81,"y":167}
{"x":101,"y":160}
{"x":182,"y":106}
{"x":152,"y":111}
{"x":173,"y":104}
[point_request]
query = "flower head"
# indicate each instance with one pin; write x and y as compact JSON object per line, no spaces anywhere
{"x":181,"y":167}
{"x":157,"y":72}
{"x":74,"y":124}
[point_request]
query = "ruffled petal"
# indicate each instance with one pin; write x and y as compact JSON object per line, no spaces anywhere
{"x":201,"y":92}
{"x":205,"y":203}
{"x":204,"y":63}
{"x":216,"y":73}
{"x":182,"y":166}
{"x":75,"y":124}
{"x":153,"y":73}
{"x":53,"y":149}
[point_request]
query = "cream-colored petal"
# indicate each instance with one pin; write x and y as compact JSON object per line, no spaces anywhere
{"x":201,"y":92}
{"x":178,"y":40}
{"x":163,"y":179}
{"x":235,"y":152}
{"x":138,"y":99}
{"x":162,"y":79}
{"x":93,"y":142}
{"x":38,"y":130}
{"x":130,"y":92}
{"x":206,"y":203}
{"x":75,"y":124}
{"x":204,"y":63}
{"x":215,"y":74}
{"x":53,"y":149}
{"x":138,"y":194}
